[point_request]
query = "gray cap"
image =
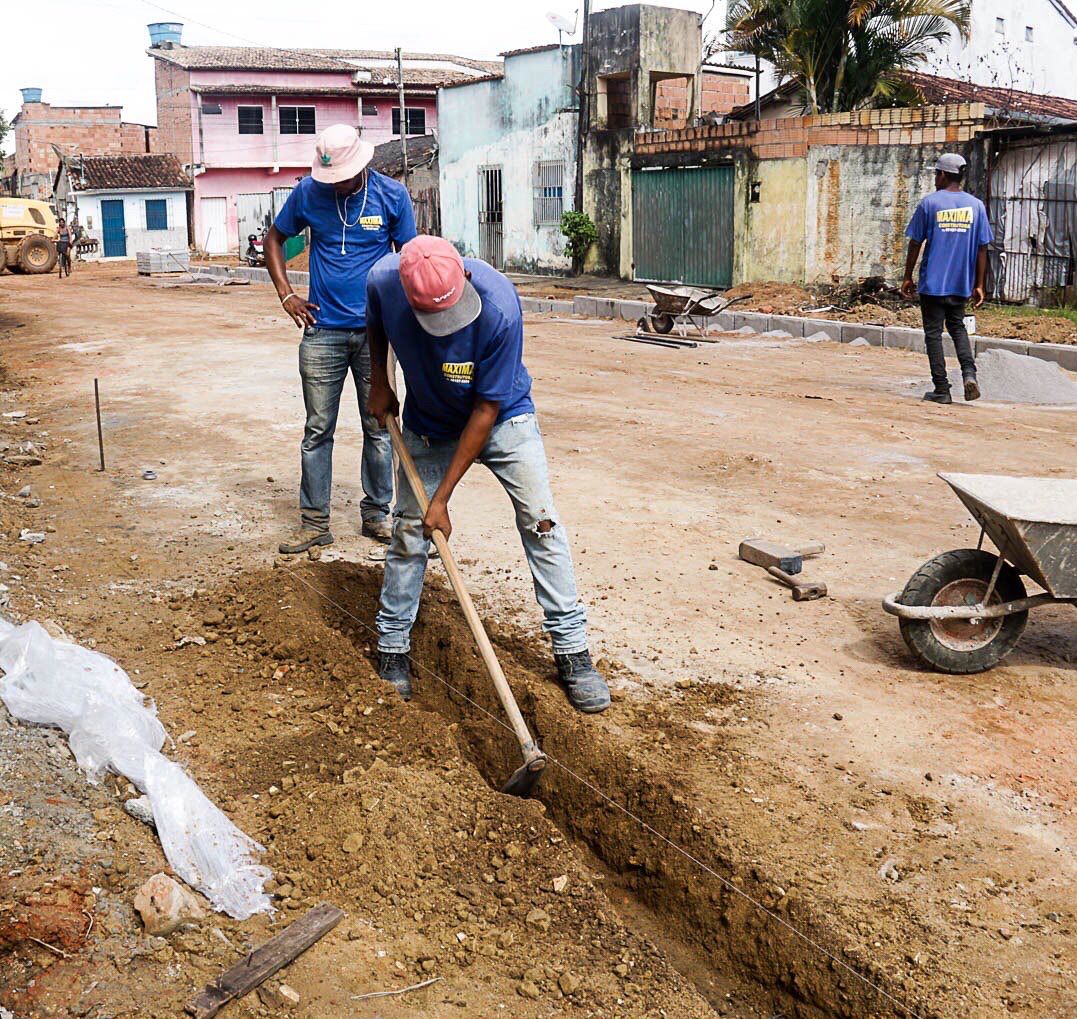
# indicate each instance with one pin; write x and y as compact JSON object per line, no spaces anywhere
{"x":950,"y":162}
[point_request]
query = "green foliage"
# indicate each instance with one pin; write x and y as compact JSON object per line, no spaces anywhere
{"x":846,"y":54}
{"x":581,"y":234}
{"x":4,"y":127}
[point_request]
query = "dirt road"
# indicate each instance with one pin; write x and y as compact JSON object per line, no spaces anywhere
{"x":919,"y":830}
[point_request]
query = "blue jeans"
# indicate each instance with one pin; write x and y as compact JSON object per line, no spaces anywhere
{"x":325,"y":357}
{"x":517,"y":458}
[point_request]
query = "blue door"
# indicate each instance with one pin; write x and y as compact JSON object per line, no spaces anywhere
{"x":112,"y":226}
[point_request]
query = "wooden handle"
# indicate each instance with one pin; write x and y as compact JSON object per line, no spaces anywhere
{"x":486,"y":649}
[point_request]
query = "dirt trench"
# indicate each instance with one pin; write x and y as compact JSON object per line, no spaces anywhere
{"x":705,"y":920}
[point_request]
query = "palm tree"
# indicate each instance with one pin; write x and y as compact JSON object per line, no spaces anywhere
{"x":845,"y":54}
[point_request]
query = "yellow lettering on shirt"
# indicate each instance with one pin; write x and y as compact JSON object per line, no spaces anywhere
{"x":370,"y":222}
{"x":955,"y":220}
{"x":459,"y":372}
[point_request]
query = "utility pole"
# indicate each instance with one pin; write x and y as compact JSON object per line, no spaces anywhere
{"x":583,"y":117}
{"x":403,"y":113}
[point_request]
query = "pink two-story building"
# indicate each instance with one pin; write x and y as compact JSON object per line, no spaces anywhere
{"x":243,"y":120}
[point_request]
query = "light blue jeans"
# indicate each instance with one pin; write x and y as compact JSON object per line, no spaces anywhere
{"x":517,"y":458}
{"x":325,"y":358}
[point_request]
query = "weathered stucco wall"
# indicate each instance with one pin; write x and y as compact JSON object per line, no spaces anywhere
{"x":773,"y":227}
{"x":512,"y":122}
{"x":859,"y":201}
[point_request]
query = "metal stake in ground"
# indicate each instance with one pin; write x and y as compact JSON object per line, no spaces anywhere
{"x":525,"y":777}
{"x":100,"y":434}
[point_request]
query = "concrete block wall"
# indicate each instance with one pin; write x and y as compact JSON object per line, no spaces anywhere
{"x":791,"y":137}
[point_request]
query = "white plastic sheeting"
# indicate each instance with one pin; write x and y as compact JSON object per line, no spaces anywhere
{"x":111,"y":728}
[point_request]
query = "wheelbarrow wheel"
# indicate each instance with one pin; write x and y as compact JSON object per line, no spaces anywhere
{"x":962,"y":646}
{"x":662,"y":323}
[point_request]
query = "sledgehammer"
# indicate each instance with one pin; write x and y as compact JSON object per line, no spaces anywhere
{"x":525,"y":777}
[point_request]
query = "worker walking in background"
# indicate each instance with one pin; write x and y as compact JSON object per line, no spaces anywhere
{"x":354,"y":215}
{"x":456,"y":328}
{"x":954,"y":227}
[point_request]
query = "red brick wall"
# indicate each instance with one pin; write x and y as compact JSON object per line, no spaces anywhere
{"x":791,"y":138}
{"x":173,"y":111}
{"x":91,"y":130}
{"x":720,"y":94}
{"x":133,"y":138}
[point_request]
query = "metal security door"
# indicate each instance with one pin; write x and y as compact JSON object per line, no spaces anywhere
{"x":213,"y":225}
{"x":255,"y":214}
{"x":491,"y":217}
{"x":682,"y":225}
{"x":113,"y":228}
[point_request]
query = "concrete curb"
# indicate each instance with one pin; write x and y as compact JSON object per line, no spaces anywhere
{"x":895,"y":337}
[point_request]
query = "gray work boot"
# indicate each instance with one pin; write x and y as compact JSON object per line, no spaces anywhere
{"x":394,"y":668}
{"x":305,"y":538}
{"x":972,"y":389}
{"x":938,"y":396}
{"x":586,"y":689}
{"x":379,"y":530}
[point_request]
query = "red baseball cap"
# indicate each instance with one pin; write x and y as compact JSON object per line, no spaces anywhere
{"x":440,"y":295}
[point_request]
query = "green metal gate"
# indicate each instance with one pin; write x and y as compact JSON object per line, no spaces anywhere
{"x":682,"y":225}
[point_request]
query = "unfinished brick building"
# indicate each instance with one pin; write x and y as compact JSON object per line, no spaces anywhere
{"x":74,"y":130}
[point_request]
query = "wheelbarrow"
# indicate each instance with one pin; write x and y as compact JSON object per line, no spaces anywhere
{"x":964,"y":611}
{"x":681,"y":307}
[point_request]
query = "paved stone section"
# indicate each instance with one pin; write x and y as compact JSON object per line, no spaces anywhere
{"x":894,"y":337}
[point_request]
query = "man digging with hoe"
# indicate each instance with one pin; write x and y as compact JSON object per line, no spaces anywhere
{"x":457,"y":331}
{"x":354,"y":215}
{"x":954,"y":226}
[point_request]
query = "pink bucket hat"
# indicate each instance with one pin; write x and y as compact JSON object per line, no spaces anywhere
{"x":440,"y":295}
{"x":340,"y":154}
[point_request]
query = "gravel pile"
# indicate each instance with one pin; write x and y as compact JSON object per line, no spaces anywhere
{"x":1006,"y":377}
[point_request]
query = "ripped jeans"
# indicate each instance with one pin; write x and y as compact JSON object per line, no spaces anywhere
{"x":517,"y":458}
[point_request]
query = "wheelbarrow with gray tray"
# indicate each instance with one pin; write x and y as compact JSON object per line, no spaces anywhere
{"x":683,"y":307}
{"x":964,"y":611}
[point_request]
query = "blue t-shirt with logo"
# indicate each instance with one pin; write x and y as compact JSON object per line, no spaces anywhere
{"x":338,"y":279}
{"x":446,"y":374}
{"x":955,"y":226}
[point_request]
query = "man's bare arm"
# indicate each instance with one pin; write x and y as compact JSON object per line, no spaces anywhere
{"x":910,"y":264}
{"x":301,"y":311}
{"x":382,"y":401}
{"x":979,"y":295}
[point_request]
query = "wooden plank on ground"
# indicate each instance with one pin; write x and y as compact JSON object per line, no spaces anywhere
{"x":263,"y":962}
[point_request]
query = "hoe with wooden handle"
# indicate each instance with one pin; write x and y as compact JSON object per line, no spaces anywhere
{"x":525,"y":777}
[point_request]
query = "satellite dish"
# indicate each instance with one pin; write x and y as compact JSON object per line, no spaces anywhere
{"x":561,"y":23}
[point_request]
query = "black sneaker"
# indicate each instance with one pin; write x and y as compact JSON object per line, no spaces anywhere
{"x":972,"y":389}
{"x":586,"y":689}
{"x":934,"y":396}
{"x":394,"y":668}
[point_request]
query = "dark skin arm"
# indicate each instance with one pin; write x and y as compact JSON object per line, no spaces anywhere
{"x":301,"y":311}
{"x":476,"y":433}
{"x":910,"y":264}
{"x":979,"y":294}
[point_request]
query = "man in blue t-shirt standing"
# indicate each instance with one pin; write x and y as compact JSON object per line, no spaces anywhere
{"x":457,"y":331}
{"x":954,"y":226}
{"x":354,"y":216}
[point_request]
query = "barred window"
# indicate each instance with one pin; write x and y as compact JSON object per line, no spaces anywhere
{"x":549,"y":191}
{"x":297,"y":120}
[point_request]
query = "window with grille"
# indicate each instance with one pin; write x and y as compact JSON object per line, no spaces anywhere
{"x":548,"y":176}
{"x":297,"y":120}
{"x":416,"y":120}
{"x":250,"y":119}
{"x":156,"y":214}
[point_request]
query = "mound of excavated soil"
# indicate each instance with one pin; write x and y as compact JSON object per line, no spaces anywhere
{"x":1006,"y":377}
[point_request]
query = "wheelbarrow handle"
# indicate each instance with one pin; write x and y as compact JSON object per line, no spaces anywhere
{"x":534,"y":759}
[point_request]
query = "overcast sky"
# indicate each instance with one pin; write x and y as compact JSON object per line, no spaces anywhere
{"x":94,"y":50}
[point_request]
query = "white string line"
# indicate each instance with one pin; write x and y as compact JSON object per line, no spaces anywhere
{"x":628,"y":813}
